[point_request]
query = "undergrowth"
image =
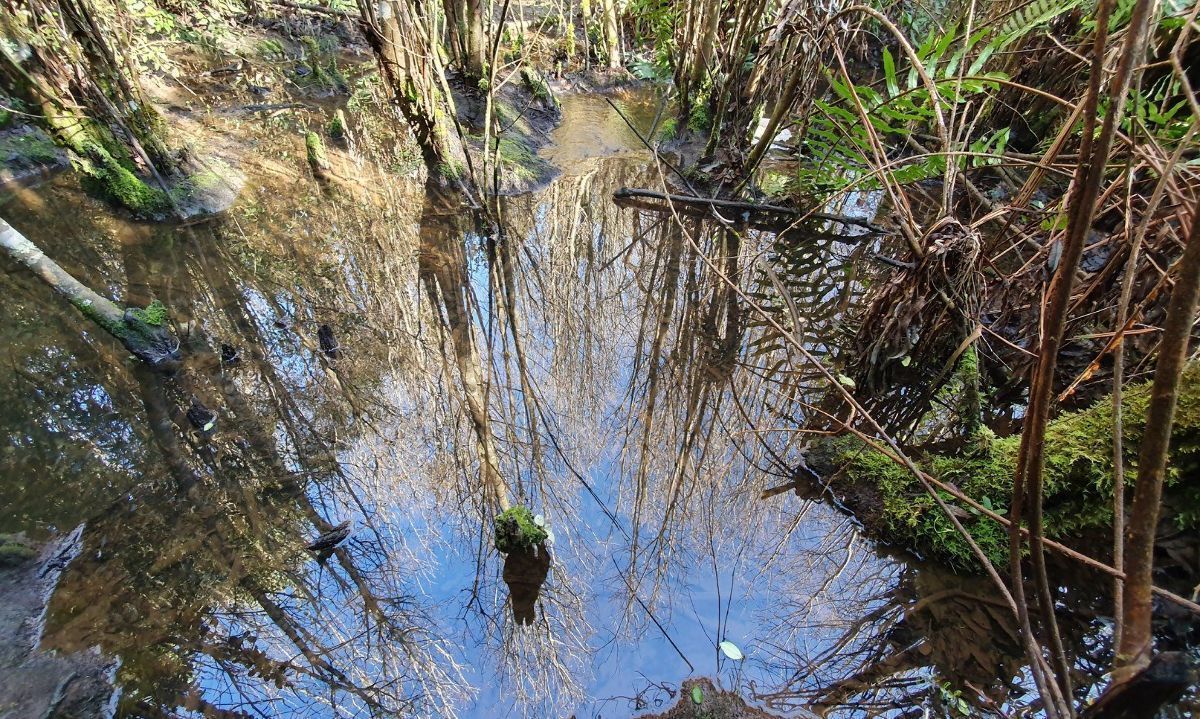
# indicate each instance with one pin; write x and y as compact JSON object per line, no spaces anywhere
{"x":1078,"y":477}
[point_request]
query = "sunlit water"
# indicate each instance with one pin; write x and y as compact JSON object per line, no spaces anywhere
{"x":634,"y":402}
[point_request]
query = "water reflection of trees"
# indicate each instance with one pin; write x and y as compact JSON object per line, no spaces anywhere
{"x":581,"y":358}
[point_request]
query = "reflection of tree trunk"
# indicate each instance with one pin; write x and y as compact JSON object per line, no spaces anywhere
{"x":670,"y":257}
{"x":444,"y":273}
{"x":506,"y":276}
{"x":313,"y":652}
{"x":868,"y":678}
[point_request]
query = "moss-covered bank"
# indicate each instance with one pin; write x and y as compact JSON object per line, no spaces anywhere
{"x":1079,"y":478}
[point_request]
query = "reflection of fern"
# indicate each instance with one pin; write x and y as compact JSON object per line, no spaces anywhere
{"x":813,"y":275}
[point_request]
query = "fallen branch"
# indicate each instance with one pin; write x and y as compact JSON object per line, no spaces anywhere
{"x":143,"y":332}
{"x":627,"y":193}
{"x":317,"y":9}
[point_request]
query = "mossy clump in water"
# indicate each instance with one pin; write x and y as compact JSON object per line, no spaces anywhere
{"x":144,"y":332}
{"x":154,"y":315}
{"x":321,"y":62}
{"x":1078,"y":477}
{"x":515,"y":529}
{"x":14,"y":550}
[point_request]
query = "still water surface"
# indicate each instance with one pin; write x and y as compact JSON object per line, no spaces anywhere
{"x":631,"y":400}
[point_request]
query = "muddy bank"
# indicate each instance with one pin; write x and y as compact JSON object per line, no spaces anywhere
{"x":34,"y":682}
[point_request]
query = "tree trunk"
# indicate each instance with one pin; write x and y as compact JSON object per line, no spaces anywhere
{"x":612,"y":32}
{"x":403,"y":35}
{"x":464,"y":21}
{"x":1134,"y":650}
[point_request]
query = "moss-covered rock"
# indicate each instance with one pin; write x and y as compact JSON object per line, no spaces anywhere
{"x":515,"y":529}
{"x":315,"y":150}
{"x":537,"y":86}
{"x":1078,"y":477}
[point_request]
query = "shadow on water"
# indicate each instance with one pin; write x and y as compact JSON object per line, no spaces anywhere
{"x":584,"y":359}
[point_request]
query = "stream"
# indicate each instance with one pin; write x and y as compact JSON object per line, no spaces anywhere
{"x":635,"y":403}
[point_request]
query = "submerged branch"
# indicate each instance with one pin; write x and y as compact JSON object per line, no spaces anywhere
{"x":143,"y":332}
{"x":628,"y":193}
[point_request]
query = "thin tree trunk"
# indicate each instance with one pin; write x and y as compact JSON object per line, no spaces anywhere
{"x":612,"y":37}
{"x":1027,"y":486}
{"x":1134,"y":650}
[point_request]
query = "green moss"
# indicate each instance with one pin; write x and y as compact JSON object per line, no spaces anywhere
{"x":89,"y":310}
{"x":321,"y":61}
{"x":33,"y":148}
{"x":122,"y":186}
{"x":536,"y":84}
{"x":699,"y":120}
{"x":154,"y":315}
{"x":520,"y":160}
{"x":337,"y":126}
{"x":14,"y":550}
{"x":1078,"y":477}
{"x":315,"y":150}
{"x":451,"y":170}
{"x":569,"y":41}
{"x":271,"y":49}
{"x":14,"y":554}
{"x":669,"y":130}
{"x":515,"y":529}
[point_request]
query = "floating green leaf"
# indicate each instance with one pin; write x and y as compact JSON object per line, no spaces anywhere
{"x":697,"y":694}
{"x":731,"y":650}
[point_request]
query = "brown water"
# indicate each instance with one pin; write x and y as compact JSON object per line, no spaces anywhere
{"x":632,"y":399}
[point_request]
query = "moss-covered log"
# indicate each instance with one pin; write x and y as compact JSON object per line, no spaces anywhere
{"x":1079,"y":477}
{"x":144,"y":332}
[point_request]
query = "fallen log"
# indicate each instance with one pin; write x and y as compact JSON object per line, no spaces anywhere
{"x":629,"y":193}
{"x":144,"y":332}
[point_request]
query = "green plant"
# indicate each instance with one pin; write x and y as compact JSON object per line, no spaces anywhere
{"x":517,"y":528}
